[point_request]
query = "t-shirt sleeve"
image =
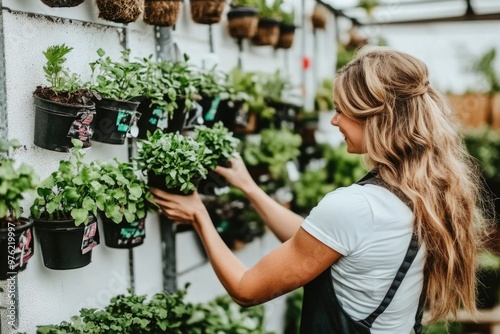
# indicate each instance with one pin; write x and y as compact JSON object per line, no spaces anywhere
{"x":341,"y":220}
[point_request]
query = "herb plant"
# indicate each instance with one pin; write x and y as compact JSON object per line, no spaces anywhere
{"x":177,"y":158}
{"x":69,"y":192}
{"x":269,"y":11}
{"x":219,"y":140}
{"x":59,"y":77}
{"x":15,"y":181}
{"x":164,"y":313}
{"x":275,"y":149}
{"x":116,"y":79}
{"x":210,"y":82}
{"x":166,"y":82}
{"x":123,"y":194}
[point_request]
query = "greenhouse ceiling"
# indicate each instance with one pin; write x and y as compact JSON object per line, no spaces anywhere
{"x":416,"y":11}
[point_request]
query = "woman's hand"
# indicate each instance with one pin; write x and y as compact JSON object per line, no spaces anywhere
{"x":237,"y":175}
{"x":179,"y":208}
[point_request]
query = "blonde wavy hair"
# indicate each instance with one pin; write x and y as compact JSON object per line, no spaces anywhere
{"x":414,"y":140}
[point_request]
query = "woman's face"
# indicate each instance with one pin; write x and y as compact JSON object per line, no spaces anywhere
{"x":352,"y":130}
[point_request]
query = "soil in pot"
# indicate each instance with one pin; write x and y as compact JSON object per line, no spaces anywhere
{"x":121,"y":11}
{"x":207,"y":11}
{"x":124,"y":234}
{"x":62,"y":3}
{"x":16,"y":241}
{"x":64,"y":245}
{"x":59,"y":117}
{"x":153,"y":118}
{"x":242,"y":22}
{"x":113,"y":120}
{"x":162,"y":12}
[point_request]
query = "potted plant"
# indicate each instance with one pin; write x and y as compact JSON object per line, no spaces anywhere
{"x":222,"y":146}
{"x":242,"y":18}
{"x":311,"y":187}
{"x":63,"y":110}
{"x":16,"y":232}
{"x":206,"y":11}
{"x":162,"y":12}
{"x":233,"y":105}
{"x":62,"y":3}
{"x":168,"y":92}
{"x":120,"y":11}
{"x":268,"y":28}
{"x":65,"y":212}
{"x":210,"y":85}
{"x":172,"y":162}
{"x":117,"y":86}
{"x":319,"y":16}
{"x":123,"y":202}
{"x":287,"y":30}
{"x":270,"y":155}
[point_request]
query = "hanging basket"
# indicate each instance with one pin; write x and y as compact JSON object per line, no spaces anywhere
{"x":16,"y":251}
{"x":113,"y":120}
{"x":57,"y":123}
{"x":120,"y":11}
{"x":287,"y":34}
{"x":268,"y":32}
{"x":242,"y":22}
{"x":318,"y":17}
{"x":64,"y":245}
{"x":162,"y":12}
{"x":62,"y":3}
{"x":206,"y":11}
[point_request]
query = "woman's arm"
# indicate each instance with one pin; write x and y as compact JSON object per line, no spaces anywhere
{"x":293,"y":264}
{"x":283,"y":223}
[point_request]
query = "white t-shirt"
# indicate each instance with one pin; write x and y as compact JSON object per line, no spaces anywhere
{"x":372,"y":228}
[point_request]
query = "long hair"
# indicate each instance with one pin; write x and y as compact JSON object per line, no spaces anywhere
{"x":413,"y":139}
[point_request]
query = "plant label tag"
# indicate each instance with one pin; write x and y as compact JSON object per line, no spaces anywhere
{"x":90,"y":237}
{"x":80,"y":128}
{"x":134,"y":130}
{"x":210,"y":115}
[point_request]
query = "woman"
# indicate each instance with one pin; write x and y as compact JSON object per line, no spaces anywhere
{"x":415,"y":221}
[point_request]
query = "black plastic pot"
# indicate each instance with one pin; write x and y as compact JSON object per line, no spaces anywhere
{"x":158,"y":181}
{"x":214,"y":182}
{"x":17,"y":251}
{"x":210,"y":109}
{"x":113,"y":119}
{"x":64,"y":245}
{"x":228,"y":112}
{"x":152,"y":118}
{"x":57,"y":123}
{"x":124,"y":234}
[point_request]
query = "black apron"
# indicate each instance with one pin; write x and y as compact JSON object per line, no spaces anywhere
{"x":321,"y":310}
